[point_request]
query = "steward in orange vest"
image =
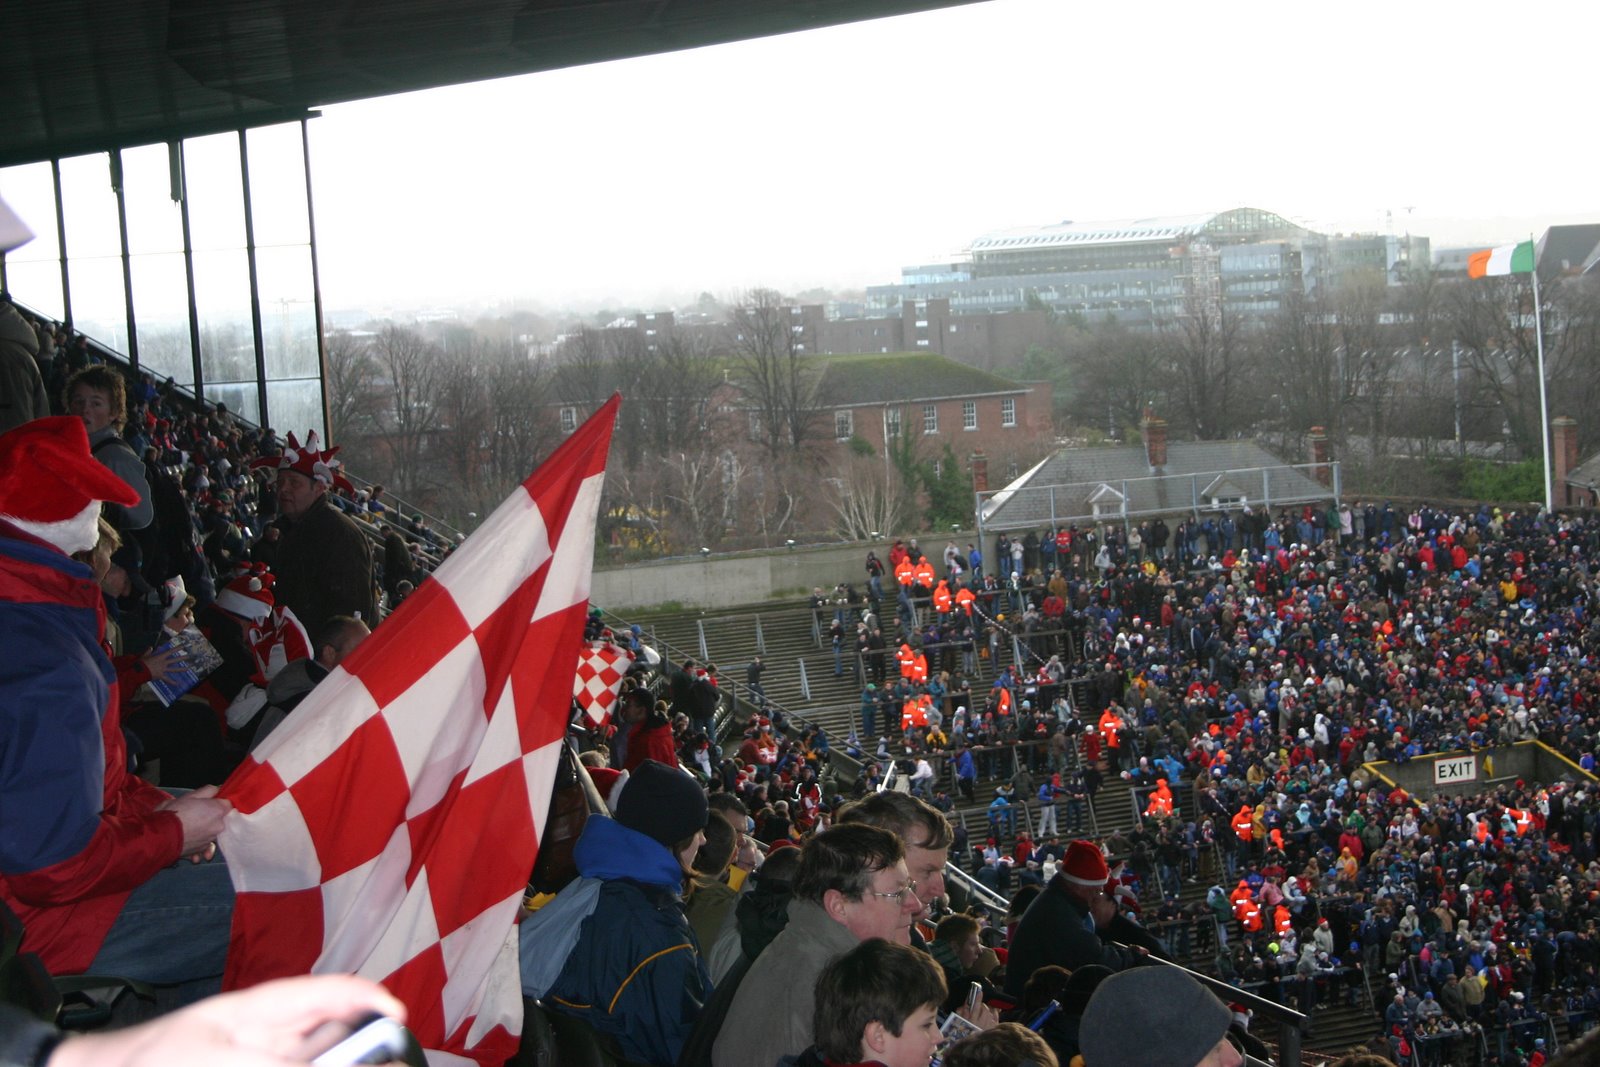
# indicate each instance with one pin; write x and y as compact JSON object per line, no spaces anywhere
{"x":941,"y":597}
{"x":1244,"y":824}
{"x":1160,"y":801}
{"x":903,"y":573}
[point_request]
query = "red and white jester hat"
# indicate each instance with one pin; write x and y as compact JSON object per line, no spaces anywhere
{"x":306,"y":459}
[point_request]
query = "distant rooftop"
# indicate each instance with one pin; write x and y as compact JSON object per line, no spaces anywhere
{"x":1130,"y":231}
{"x":882,"y":379}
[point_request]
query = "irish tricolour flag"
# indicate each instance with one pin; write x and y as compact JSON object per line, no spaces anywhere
{"x":1507,"y":259}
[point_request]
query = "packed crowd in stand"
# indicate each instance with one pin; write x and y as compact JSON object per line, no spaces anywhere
{"x":1247,"y":667}
{"x":1238,"y":672}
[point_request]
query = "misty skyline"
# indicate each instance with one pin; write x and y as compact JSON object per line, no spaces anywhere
{"x":834,"y":157}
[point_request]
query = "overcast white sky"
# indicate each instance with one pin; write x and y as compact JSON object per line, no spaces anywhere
{"x":835,"y":157}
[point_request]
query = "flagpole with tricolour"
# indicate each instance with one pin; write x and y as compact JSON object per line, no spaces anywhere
{"x":1544,"y":402}
{"x":1520,"y":259}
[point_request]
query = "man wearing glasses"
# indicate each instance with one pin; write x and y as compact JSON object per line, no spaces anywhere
{"x":852,"y":884}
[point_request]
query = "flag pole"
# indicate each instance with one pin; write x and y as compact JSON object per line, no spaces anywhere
{"x":1544,"y":403}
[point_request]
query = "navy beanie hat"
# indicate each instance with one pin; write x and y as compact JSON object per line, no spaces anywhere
{"x":662,"y":803}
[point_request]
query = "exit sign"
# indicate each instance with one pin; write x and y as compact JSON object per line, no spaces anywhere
{"x":1455,"y":769}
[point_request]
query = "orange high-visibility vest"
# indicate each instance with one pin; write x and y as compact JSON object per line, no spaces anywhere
{"x":965,"y":597}
{"x":919,"y":669}
{"x":1160,"y":801}
{"x":924,"y":574}
{"x":941,"y":597}
{"x":1004,"y":707}
{"x":903,"y":573}
{"x":1281,"y":921}
{"x":905,"y":657}
{"x":1243,"y":825}
{"x":1252,"y":918}
{"x":1111,"y":727}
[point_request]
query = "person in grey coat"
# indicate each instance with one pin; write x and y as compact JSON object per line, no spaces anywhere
{"x":22,"y":393}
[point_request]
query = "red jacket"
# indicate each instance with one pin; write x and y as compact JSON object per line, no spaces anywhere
{"x":650,"y":740}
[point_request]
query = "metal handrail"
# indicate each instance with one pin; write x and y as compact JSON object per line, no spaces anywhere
{"x":977,"y":890}
{"x":1291,"y":1023}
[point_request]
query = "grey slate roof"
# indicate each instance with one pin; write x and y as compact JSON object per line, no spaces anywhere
{"x":1586,"y":475}
{"x":1058,"y":490}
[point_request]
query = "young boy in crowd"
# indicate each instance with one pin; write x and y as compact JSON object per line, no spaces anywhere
{"x":878,"y":1004}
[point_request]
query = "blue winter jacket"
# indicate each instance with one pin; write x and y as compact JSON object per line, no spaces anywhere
{"x":636,"y":972}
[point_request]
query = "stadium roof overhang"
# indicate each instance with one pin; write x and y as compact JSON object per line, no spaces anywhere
{"x":79,"y":76}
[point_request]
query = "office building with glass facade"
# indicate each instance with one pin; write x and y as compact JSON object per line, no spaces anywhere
{"x":1143,"y":270}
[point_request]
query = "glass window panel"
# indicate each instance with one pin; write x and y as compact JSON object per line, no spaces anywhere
{"x":216,"y":199}
{"x":33,"y":272}
{"x":278,"y":185}
{"x":30,"y":192}
{"x":241,"y":398}
{"x":161,"y":305}
{"x":296,"y":405}
{"x":222,"y":294}
{"x":288,"y":311}
{"x":98,"y":309}
{"x":155,"y":220}
{"x":91,"y":208}
{"x":36,"y":286}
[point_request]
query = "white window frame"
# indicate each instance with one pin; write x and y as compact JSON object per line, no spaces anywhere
{"x":930,"y":419}
{"x":1008,"y":411}
{"x":844,"y":424}
{"x":569,"y":419}
{"x":969,"y":415}
{"x":891,"y":423}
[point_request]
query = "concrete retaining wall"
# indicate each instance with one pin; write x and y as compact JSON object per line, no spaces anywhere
{"x":1468,"y":772}
{"x":725,"y":581}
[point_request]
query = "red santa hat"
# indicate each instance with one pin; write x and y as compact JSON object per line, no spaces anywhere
{"x":249,"y":594}
{"x":51,"y":486}
{"x":609,"y":781}
{"x":308,"y":460}
{"x":1084,"y":865}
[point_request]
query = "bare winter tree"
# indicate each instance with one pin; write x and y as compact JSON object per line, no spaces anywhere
{"x":1493,"y":320}
{"x":463,"y":405}
{"x":520,"y":425}
{"x":1208,"y":360}
{"x":769,"y":346}
{"x":1116,"y":374}
{"x":867,"y":496}
{"x":412,"y":370}
{"x":351,"y":398}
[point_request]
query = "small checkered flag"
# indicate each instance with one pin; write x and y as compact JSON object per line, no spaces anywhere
{"x":601,"y":668}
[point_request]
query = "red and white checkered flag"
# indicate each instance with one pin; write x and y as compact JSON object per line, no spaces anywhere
{"x":601,"y":667}
{"x":389,"y":826}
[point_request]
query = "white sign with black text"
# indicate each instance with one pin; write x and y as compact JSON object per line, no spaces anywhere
{"x":1455,"y":769}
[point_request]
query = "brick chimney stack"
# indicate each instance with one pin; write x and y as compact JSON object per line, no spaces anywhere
{"x":1563,"y":457}
{"x":1155,"y":439}
{"x":980,"y":473}
{"x":1318,"y":441}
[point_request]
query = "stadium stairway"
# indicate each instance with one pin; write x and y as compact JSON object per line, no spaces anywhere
{"x":783,"y":634}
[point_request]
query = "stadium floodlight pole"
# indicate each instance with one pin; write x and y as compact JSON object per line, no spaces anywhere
{"x":1544,"y":403}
